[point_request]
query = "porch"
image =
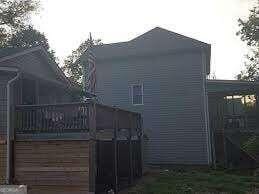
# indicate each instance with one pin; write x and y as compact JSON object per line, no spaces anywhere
{"x":74,"y":148}
{"x":31,"y":89}
{"x":234,"y":114}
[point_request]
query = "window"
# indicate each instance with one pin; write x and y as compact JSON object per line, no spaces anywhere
{"x":137,"y":94}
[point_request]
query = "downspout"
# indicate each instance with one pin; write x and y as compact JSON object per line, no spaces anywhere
{"x":9,"y":128}
{"x":206,"y":108}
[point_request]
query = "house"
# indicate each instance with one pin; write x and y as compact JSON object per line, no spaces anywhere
{"x":162,"y":75}
{"x":53,"y":141}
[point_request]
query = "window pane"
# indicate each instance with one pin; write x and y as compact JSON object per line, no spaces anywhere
{"x":137,"y":99}
{"x":137,"y":95}
{"x":137,"y":90}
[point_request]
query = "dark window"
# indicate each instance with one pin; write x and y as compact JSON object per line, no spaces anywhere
{"x":137,"y":94}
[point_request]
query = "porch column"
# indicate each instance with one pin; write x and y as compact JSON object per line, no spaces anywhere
{"x":92,"y":147}
{"x":115,"y":147}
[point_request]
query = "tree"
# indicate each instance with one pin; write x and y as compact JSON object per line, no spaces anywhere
{"x":30,"y":37}
{"x":14,"y":15}
{"x":251,"y":72}
{"x":249,"y":33}
{"x":72,"y":66}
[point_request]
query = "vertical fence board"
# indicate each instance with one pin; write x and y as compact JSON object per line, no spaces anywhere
{"x":2,"y":161}
{"x":58,"y":166}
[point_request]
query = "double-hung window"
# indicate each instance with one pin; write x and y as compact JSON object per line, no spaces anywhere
{"x":137,"y":94}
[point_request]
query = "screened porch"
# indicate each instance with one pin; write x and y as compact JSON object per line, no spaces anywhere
{"x":233,"y":105}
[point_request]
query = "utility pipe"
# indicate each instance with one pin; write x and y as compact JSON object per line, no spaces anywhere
{"x":9,"y":128}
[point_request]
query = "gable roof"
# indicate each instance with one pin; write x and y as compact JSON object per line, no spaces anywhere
{"x":156,"y":41}
{"x":11,"y":53}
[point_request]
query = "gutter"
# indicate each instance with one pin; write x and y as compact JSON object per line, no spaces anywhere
{"x":9,"y":128}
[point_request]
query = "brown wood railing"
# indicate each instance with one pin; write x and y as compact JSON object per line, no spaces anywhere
{"x":235,"y":122}
{"x":73,"y":117}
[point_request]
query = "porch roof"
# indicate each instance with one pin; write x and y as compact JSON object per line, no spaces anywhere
{"x":63,"y":81}
{"x":231,"y":87}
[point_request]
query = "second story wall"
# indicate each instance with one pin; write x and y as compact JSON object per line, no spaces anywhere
{"x":173,"y":102}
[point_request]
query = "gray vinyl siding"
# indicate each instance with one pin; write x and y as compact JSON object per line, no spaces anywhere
{"x":173,"y":110}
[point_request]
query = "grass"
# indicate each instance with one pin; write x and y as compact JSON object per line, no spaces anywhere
{"x":188,"y":182}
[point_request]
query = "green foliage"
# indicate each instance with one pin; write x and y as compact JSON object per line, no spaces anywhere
{"x":30,"y":37}
{"x":14,"y":15}
{"x":251,"y":72}
{"x":190,"y":182}
{"x":252,"y":145}
{"x":72,"y":66}
{"x":249,"y":33}
{"x":15,"y":30}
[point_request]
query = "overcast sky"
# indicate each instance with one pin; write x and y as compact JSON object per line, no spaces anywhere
{"x":67,"y":23}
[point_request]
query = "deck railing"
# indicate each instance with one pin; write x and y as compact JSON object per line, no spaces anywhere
{"x":73,"y":117}
{"x":235,"y":122}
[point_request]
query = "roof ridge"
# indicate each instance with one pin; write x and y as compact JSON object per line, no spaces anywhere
{"x":142,"y":35}
{"x":171,"y":32}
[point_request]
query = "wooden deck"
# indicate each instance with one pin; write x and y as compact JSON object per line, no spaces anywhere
{"x":75,"y":148}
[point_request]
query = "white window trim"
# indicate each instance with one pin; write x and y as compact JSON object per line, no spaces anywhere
{"x":142,"y":90}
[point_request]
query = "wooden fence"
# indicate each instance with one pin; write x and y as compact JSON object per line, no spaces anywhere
{"x":49,"y":138}
{"x":129,"y":165}
{"x":2,"y":161}
{"x":229,"y":154}
{"x":52,"y":167}
{"x":237,"y":157}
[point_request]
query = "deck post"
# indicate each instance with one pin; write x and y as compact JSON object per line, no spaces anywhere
{"x":10,"y":127}
{"x":92,"y":147}
{"x":115,"y":143}
{"x":130,"y":150}
{"x":13,"y":141}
